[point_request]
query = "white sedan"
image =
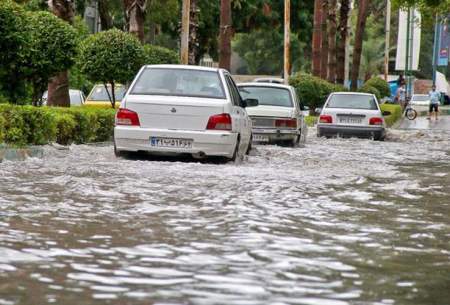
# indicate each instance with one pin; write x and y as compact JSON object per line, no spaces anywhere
{"x":175,"y":109}
{"x":351,"y":114}
{"x":278,"y":117}
{"x":420,"y":100}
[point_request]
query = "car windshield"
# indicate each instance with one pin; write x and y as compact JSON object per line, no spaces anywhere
{"x":269,"y":96}
{"x":179,"y":82}
{"x":99,"y":93}
{"x":75,"y":98}
{"x":352,"y":101}
{"x":420,"y":98}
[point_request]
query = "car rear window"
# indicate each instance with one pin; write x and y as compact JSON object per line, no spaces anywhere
{"x":420,"y":98}
{"x":269,"y":96}
{"x":179,"y":82}
{"x":352,"y":101}
{"x":99,"y":93}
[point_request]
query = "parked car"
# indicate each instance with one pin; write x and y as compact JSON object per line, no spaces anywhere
{"x":278,"y":117}
{"x":274,"y":80}
{"x":352,"y":114}
{"x":184,"y":110}
{"x":100,"y":97}
{"x":420,"y":100}
{"x":77,"y":97}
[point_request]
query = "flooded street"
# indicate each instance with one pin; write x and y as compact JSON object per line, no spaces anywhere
{"x":341,"y":221}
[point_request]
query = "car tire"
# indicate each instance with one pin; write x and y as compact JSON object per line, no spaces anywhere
{"x":119,"y":153}
{"x":295,"y":142}
{"x":236,"y":157}
{"x":250,"y":146}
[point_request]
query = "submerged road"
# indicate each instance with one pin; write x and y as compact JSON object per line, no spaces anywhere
{"x":340,"y":221}
{"x":422,"y":123}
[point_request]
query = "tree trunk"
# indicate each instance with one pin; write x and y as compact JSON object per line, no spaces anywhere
{"x":106,"y":21}
{"x":341,"y":42}
{"x":332,"y":41}
{"x":225,"y":35}
{"x":58,"y":86}
{"x":135,"y":13}
{"x":324,"y":36}
{"x":317,"y":38}
{"x":357,"y":48}
{"x":193,"y":38}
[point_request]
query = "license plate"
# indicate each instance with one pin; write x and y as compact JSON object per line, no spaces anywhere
{"x":350,"y":120}
{"x":170,"y":142}
{"x":260,"y":138}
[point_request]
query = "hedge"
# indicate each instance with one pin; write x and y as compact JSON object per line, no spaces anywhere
{"x":396,"y":113}
{"x":28,"y":125}
{"x":313,"y":91}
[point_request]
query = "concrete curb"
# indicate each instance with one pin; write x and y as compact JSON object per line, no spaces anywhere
{"x":20,"y":154}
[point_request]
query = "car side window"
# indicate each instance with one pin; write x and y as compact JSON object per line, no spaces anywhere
{"x":235,"y":96}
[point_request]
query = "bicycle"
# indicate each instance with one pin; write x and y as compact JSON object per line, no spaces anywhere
{"x":409,"y":112}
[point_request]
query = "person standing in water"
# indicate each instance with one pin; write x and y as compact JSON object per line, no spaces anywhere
{"x":435,"y":98}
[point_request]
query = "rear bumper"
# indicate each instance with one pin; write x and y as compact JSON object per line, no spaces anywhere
{"x":351,"y":131}
{"x":274,"y":135}
{"x":208,"y":143}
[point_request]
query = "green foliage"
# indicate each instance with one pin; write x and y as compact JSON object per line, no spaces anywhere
{"x":155,"y":55}
{"x":396,"y":113}
{"x":381,"y":85}
{"x":111,"y":57}
{"x":313,"y":91}
{"x":50,"y":50}
{"x":27,"y":125}
{"x":370,"y":89}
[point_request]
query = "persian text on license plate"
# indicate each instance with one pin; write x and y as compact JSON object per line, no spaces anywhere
{"x":260,"y":138}
{"x":350,"y":120}
{"x":170,"y":142}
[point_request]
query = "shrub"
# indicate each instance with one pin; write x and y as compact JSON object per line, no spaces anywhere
{"x":369,"y":89}
{"x":111,"y":57}
{"x":381,"y":85}
{"x":156,"y":55}
{"x":313,"y":91}
{"x":26,"y":125}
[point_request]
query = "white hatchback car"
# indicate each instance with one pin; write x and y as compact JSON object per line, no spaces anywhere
{"x":351,"y":114}
{"x":278,"y":117}
{"x":175,"y":109}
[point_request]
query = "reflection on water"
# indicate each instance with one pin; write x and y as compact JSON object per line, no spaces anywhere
{"x":342,"y":221}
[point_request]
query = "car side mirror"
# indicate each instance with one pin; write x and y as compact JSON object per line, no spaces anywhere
{"x":250,"y":102}
{"x":386,"y":113}
{"x":318,"y":110}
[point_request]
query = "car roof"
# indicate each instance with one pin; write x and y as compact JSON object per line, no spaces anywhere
{"x":276,"y":80}
{"x":351,"y":93}
{"x":269,"y":85}
{"x":185,"y":67}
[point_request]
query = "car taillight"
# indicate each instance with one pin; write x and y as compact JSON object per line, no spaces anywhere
{"x":220,"y":122}
{"x":327,"y":119}
{"x":127,"y":117}
{"x":289,"y":123}
{"x":376,"y":121}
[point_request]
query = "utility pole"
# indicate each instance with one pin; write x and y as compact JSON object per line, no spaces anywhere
{"x":436,"y":47}
{"x":287,"y":40}
{"x":388,"y":38}
{"x":184,"y":54}
{"x":225,"y":35}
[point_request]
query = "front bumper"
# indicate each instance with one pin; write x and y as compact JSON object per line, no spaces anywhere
{"x":273,"y":135}
{"x":351,"y":131}
{"x":204,"y":143}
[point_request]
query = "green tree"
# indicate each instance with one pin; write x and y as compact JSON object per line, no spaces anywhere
{"x":12,"y":44}
{"x":50,"y":50}
{"x":111,"y":57}
{"x":156,"y":55}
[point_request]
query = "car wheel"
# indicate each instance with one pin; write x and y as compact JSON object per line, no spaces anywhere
{"x":295,"y":142}
{"x":236,"y":156}
{"x":119,"y":153}
{"x":249,"y":147}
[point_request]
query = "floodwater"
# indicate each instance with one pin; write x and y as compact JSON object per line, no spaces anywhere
{"x":341,"y":221}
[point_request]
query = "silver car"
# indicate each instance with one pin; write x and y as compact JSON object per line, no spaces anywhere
{"x":77,"y":97}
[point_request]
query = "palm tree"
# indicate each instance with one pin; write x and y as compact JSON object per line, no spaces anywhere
{"x":341,"y":41}
{"x":332,"y":40}
{"x":357,"y":48}
{"x":135,"y":15}
{"x":324,"y":50}
{"x":193,"y":36}
{"x":58,"y":86}
{"x":372,"y":59}
{"x":317,"y":38}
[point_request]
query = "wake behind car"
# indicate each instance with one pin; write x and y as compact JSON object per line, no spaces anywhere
{"x":278,"y":117}
{"x":352,"y":114}
{"x":175,"y":109}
